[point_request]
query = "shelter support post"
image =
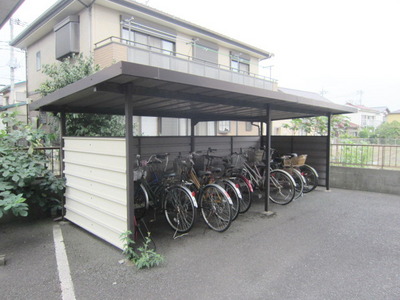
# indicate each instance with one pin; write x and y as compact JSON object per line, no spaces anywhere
{"x":130,"y":159}
{"x":193,"y":123}
{"x":268,"y":124}
{"x":261,"y":132}
{"x":62,"y":156}
{"x":328,"y":152}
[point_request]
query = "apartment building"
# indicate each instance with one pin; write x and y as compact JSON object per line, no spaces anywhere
{"x":14,"y":100}
{"x":393,"y":116}
{"x":124,"y":30}
{"x":368,"y":116}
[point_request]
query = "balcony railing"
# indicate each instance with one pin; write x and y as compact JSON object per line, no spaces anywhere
{"x":115,"y":49}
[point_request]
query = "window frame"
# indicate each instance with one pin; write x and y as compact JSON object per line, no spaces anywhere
{"x":224,"y":127}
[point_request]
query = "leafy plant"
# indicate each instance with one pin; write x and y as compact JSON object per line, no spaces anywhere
{"x":12,"y":202}
{"x":144,"y":256}
{"x":24,"y":175}
{"x":319,"y":125}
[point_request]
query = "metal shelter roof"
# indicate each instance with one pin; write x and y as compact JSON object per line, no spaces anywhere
{"x":8,"y":8}
{"x":165,"y":93}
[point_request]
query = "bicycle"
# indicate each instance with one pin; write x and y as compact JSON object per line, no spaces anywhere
{"x":156,"y":188}
{"x":203,"y":164}
{"x":282,"y":163}
{"x":214,"y":202}
{"x":281,"y":184}
{"x":297,"y":162}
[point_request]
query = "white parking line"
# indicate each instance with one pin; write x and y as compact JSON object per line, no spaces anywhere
{"x":67,"y":287}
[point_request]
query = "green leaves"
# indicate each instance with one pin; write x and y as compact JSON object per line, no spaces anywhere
{"x":318,"y":125}
{"x":13,"y":202}
{"x":144,"y":256}
{"x":68,"y":71}
{"x":23,"y":172}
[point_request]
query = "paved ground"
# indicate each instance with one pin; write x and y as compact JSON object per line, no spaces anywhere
{"x":328,"y":245}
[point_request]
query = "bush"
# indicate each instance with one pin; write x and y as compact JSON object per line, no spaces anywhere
{"x":23,"y":169}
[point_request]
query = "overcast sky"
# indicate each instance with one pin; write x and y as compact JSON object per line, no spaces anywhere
{"x":347,"y":49}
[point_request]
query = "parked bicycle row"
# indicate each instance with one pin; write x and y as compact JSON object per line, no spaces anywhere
{"x":219,"y":187}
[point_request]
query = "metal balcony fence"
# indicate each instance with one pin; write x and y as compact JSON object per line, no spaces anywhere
{"x":365,"y":155}
{"x":157,"y":57}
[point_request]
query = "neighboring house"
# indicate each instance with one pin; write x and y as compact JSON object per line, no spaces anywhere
{"x":123,"y":30}
{"x":393,"y":116}
{"x":368,"y":116}
{"x":16,"y":101}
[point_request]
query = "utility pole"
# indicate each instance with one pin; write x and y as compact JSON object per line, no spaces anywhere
{"x":360,"y":93}
{"x":13,"y":61}
{"x":323,"y":92}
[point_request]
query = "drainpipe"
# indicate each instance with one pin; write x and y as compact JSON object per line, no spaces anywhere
{"x":90,"y":8}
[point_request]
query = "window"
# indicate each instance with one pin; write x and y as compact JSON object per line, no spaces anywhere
{"x":239,"y":66}
{"x":206,"y":52}
{"x":38,"y":61}
{"x":240,"y":62}
{"x":224,"y":126}
{"x":249,"y":126}
{"x":167,"y":47}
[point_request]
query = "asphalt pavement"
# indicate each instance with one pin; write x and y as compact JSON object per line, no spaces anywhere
{"x":339,"y":244}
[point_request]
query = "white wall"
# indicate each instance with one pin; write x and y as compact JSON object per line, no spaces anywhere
{"x":95,"y":170}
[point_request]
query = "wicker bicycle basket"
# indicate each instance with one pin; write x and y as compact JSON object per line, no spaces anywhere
{"x":295,"y":160}
{"x":259,"y":155}
{"x":237,"y":161}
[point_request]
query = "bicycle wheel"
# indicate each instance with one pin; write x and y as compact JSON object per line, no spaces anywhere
{"x":180,"y":208}
{"x":245,"y":188}
{"x":282,"y":187}
{"x":234,"y":193}
{"x":140,"y":200}
{"x":311,"y":177}
{"x":299,"y":180}
{"x":216,"y":207}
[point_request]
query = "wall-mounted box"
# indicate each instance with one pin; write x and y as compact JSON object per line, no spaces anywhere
{"x":67,"y":37}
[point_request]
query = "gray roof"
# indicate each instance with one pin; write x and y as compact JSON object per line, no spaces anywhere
{"x":305,"y":94}
{"x":64,"y":8}
{"x":166,"y":93}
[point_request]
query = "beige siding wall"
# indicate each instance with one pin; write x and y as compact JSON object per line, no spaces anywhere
{"x":46,"y":46}
{"x":106,"y":23}
{"x":84,"y":33}
{"x":95,"y":170}
{"x":182,"y":44}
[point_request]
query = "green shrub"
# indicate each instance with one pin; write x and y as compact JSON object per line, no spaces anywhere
{"x":23,"y":169}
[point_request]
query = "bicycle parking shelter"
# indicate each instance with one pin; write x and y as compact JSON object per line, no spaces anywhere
{"x":133,"y":89}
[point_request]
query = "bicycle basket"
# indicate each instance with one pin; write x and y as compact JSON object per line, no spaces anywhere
{"x":258,"y":155}
{"x":137,"y":174}
{"x":238,"y":161}
{"x":295,"y":160}
{"x":199,"y":162}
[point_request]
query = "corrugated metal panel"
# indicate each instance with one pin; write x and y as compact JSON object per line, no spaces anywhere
{"x":313,"y":146}
{"x":96,"y":186}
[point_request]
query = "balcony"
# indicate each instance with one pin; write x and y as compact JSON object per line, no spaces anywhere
{"x":114,"y":49}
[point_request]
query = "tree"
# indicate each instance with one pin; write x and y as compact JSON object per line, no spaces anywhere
{"x":367,"y":132}
{"x":319,"y":125}
{"x":23,"y":169}
{"x":68,"y":71}
{"x":388,"y":130}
